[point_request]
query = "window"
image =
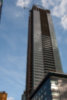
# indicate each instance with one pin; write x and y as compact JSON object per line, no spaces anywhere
{"x":55,"y":93}
{"x":54,"y":87}
{"x":56,"y":99}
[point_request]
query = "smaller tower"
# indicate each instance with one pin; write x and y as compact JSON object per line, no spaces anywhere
{"x":3,"y":96}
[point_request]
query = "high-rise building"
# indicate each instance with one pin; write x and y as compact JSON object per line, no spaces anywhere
{"x":1,"y":3}
{"x":3,"y":96}
{"x":43,"y":54}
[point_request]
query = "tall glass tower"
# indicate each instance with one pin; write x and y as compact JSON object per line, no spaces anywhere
{"x":43,"y":55}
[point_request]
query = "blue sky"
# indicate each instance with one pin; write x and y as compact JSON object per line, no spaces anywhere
{"x":13,"y":41}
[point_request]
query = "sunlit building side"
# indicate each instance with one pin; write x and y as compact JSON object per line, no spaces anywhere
{"x":3,"y":96}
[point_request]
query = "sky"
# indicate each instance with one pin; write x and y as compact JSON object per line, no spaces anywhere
{"x":14,"y":37}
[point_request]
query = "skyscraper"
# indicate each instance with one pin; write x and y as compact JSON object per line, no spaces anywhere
{"x":43,"y":54}
{"x":1,"y":3}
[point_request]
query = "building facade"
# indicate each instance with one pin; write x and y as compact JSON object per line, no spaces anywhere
{"x":23,"y":96}
{"x":43,"y":54}
{"x":53,"y":87}
{"x":1,"y":4}
{"x":3,"y":96}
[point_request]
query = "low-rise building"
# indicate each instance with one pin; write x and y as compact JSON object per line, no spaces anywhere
{"x":3,"y":96}
{"x":53,"y":87}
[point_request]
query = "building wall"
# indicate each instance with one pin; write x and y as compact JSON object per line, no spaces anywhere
{"x":56,"y":56}
{"x":1,"y":3}
{"x":54,"y":88}
{"x":59,"y":88}
{"x":48,"y":56}
{"x":38,"y":63}
{"x":3,"y":96}
{"x":23,"y":97}
{"x":44,"y":92}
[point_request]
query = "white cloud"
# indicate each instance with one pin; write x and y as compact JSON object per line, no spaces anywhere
{"x":58,"y":9}
{"x":48,"y":3}
{"x":44,"y":3}
{"x":64,"y":21}
{"x":10,"y":98}
{"x":23,"y":3}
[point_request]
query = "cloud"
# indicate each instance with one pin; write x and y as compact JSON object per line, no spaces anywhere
{"x":10,"y":98}
{"x":58,"y":9}
{"x":64,"y":21}
{"x":23,"y":3}
{"x":47,"y":3}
